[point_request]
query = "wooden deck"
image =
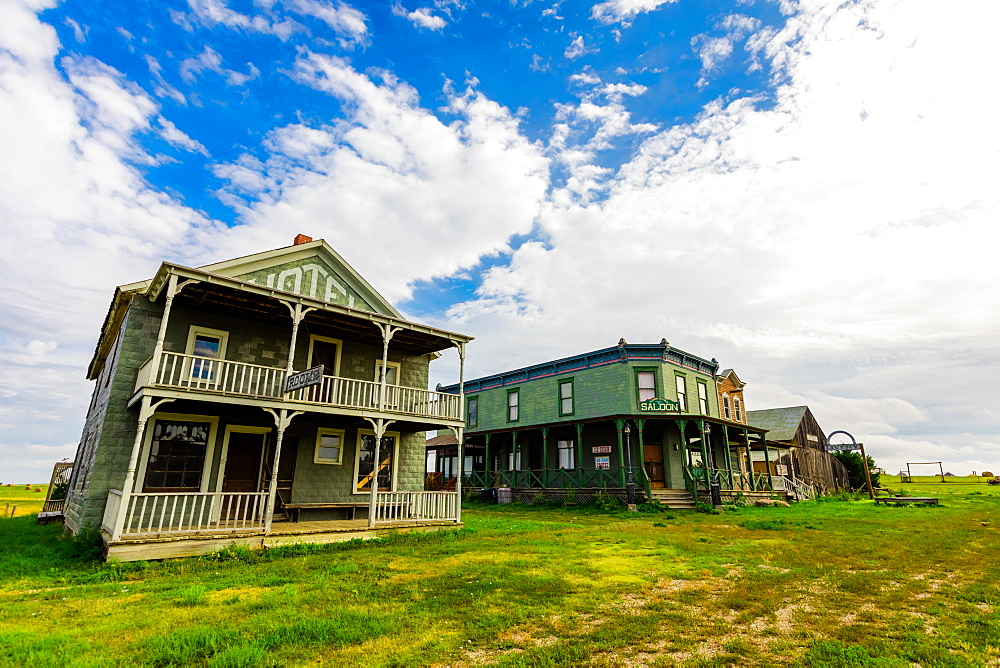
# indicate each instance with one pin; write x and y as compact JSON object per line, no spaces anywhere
{"x":135,"y":547}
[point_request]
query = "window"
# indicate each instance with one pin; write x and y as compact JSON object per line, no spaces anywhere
{"x":209,"y":345}
{"x":178,"y":451}
{"x":725,"y":407}
{"x":682,"y":392}
{"x":567,"y":455}
{"x":646,"y":381}
{"x":473,"y":411}
{"x":329,"y":446}
{"x":512,"y":405}
{"x":739,"y":415}
{"x":365,"y":468}
{"x":566,"y":397}
{"x":703,"y":398}
{"x":392,"y":394}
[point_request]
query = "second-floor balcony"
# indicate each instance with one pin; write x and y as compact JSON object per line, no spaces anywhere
{"x":254,"y":381}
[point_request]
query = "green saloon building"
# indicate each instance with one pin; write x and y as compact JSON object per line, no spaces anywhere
{"x":574,"y":426}
{"x":271,"y":398}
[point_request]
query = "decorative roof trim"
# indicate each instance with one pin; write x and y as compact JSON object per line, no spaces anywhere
{"x":624,"y":352}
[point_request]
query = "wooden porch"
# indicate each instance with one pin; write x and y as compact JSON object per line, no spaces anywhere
{"x":147,"y":546}
{"x":227,"y":378}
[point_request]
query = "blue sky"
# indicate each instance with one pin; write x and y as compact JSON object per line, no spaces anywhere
{"x":802,"y":189}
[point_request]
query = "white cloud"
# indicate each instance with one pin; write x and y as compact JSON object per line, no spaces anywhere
{"x":392,"y":163}
{"x":175,"y":137}
{"x":77,"y":218}
{"x":209,"y":60}
{"x":421,"y":17}
{"x":578,"y":48}
{"x":834,"y":243}
{"x":346,"y":21}
{"x":217,"y":13}
{"x":622,"y":11}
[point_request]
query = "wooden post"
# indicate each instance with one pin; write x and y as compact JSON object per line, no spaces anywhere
{"x":545,"y":457}
{"x":578,"y":462}
{"x":281,"y":420}
{"x":619,"y":425}
{"x":489,"y":462}
{"x":767,"y":465}
{"x":746,"y":439}
{"x":868,"y":474}
{"x":460,"y":431}
{"x":379,"y":426}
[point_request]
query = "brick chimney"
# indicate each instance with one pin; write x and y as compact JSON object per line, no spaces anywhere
{"x":301,"y":239}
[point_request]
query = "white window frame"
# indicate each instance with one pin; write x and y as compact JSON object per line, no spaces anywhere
{"x":193,"y":368}
{"x":739,"y":409}
{"x":726,"y":407}
{"x":357,"y":460}
{"x":140,"y":479}
{"x":324,"y":431}
{"x":702,"y":397}
{"x":680,"y":383}
{"x":395,"y":366}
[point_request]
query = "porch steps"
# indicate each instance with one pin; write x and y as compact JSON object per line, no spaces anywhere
{"x":679,"y":499}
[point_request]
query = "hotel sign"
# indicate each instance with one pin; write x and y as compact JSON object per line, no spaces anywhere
{"x":658,"y":405}
{"x":307,"y":378}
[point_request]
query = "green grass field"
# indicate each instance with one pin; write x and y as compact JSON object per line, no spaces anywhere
{"x":818,"y":584}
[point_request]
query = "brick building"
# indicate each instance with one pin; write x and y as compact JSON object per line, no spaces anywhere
{"x":203,"y":432}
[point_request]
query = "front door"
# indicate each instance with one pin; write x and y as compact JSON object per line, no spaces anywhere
{"x":653,"y":463}
{"x":244,"y":458}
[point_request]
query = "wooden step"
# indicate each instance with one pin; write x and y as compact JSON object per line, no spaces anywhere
{"x":678,"y":499}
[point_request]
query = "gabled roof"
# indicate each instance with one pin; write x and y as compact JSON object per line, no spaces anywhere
{"x":733,"y":378}
{"x":311,"y":269}
{"x":311,"y":274}
{"x":781,"y":423}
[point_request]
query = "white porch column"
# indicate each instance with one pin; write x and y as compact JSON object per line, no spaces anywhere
{"x":379,"y":425}
{"x":387,"y":333}
{"x":161,"y":335}
{"x":298,"y":314}
{"x":146,"y":410}
{"x":281,"y":420}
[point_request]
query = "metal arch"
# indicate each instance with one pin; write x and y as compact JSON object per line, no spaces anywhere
{"x":841,"y":431}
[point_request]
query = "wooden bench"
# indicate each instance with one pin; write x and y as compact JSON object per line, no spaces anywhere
{"x":296,"y":507}
{"x":906,"y":500}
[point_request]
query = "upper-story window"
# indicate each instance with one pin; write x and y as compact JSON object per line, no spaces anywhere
{"x":682,"y":398}
{"x":739,"y":409}
{"x":513,"y":399}
{"x":208,"y":344}
{"x":726,"y":409}
{"x":646,"y":380}
{"x":473,"y":411}
{"x":566,"y":397}
{"x":703,"y":398}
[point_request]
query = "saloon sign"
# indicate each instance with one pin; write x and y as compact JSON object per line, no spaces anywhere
{"x":659,"y":405}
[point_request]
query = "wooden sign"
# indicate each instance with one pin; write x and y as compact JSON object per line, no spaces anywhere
{"x":659,"y":405}
{"x":597,"y":449}
{"x":602,"y":462}
{"x":307,"y":378}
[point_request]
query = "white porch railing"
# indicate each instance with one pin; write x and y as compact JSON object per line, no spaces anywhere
{"x":391,"y":507}
{"x":253,"y":380}
{"x":111,"y":510}
{"x":189,"y":512}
